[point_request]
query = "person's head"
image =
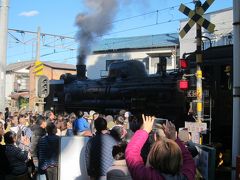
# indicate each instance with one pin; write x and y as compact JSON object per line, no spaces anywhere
{"x":127,"y":114}
{"x":122,"y":112}
{"x":72,"y":116}
{"x":120,"y":120}
{"x":80,"y":114}
{"x":118,"y":132}
{"x":22,"y":119}
{"x":184,"y":135}
{"x":10,"y":137}
{"x":49,"y":115}
{"x":6,"y":109}
{"x":118,"y":151}
{"x":165,"y":156}
{"x":60,"y":117}
{"x":1,"y":129}
{"x":41,"y":121}
{"x":158,"y":132}
{"x":1,"y":115}
{"x":14,"y":121}
{"x":33,"y":120}
{"x":91,"y":113}
{"x":64,"y":125}
{"x":129,"y":135}
{"x":51,"y":129}
{"x":69,"y":124}
{"x":95,"y":115}
{"x":100,"y":124}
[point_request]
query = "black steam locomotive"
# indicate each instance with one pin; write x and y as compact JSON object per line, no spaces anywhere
{"x":127,"y":86}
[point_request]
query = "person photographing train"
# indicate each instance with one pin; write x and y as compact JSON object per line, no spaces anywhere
{"x":168,"y":158}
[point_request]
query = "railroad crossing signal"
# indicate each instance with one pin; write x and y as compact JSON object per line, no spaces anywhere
{"x":43,"y":87}
{"x":196,"y":17}
{"x":38,"y":68}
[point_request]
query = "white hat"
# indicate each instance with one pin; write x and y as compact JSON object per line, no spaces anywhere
{"x":91,"y":113}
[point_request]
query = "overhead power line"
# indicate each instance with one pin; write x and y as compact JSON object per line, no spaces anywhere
{"x":41,"y":34}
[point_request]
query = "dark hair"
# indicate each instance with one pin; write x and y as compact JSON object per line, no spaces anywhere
{"x":117,"y":132}
{"x":100,"y":124}
{"x":21,"y":116}
{"x":9,"y":137}
{"x":80,"y":114}
{"x":129,"y":135}
{"x":51,"y":128}
{"x":40,"y":119}
{"x":48,"y":113}
{"x":120,"y":120}
{"x":118,"y":151}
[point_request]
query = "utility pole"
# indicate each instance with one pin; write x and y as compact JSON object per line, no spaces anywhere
{"x":3,"y":50}
{"x":38,"y":70}
{"x":199,"y":71}
{"x":236,"y":85}
{"x":38,"y":44}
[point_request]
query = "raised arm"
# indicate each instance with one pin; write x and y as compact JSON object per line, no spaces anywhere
{"x":133,"y":158}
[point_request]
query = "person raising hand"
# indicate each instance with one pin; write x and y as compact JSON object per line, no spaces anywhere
{"x":167,"y":158}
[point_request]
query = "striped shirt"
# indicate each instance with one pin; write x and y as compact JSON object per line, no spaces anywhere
{"x":48,"y":151}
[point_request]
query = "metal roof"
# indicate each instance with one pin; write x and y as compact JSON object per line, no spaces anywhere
{"x":27,"y":64}
{"x":137,"y":42}
{"x":18,"y":65}
{"x":59,"y":65}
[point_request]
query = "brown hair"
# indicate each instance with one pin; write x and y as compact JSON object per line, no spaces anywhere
{"x":165,"y":156}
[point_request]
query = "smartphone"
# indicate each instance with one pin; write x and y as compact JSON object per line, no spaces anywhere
{"x":23,"y":134}
{"x":160,"y":121}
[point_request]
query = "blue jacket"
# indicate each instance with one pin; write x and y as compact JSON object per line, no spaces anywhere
{"x":81,"y":125}
{"x":98,"y":154}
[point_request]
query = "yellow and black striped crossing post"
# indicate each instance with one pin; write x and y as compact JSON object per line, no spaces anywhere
{"x":196,"y":17}
{"x":199,"y":60}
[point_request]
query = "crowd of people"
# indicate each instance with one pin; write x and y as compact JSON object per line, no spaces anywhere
{"x":117,"y":147}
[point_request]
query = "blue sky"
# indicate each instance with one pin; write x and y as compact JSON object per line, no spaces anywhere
{"x":58,"y":17}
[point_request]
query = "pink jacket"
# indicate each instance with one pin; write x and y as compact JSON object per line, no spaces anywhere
{"x":136,"y":165}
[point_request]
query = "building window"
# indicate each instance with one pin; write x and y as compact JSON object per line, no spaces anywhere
{"x":21,"y":83}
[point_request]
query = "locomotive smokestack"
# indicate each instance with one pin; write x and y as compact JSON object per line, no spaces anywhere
{"x":81,"y":67}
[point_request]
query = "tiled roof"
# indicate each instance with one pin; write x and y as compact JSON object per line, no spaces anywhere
{"x":137,"y":42}
{"x":26,"y":64}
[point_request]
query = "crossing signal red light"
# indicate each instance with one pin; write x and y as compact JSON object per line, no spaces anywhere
{"x":183,"y":63}
{"x":183,"y":84}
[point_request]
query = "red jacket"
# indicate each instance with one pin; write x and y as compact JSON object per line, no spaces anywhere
{"x":136,"y":165}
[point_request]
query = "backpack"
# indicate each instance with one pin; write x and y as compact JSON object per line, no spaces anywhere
{"x":4,"y":165}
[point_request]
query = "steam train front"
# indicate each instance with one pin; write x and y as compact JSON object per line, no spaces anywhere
{"x":127,"y":86}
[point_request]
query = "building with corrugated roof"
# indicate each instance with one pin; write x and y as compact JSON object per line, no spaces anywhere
{"x":20,"y":81}
{"x":147,"y":49}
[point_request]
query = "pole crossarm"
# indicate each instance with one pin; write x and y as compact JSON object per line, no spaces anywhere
{"x":196,"y":17}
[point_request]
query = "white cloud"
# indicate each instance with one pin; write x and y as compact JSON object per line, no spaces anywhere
{"x":29,"y":13}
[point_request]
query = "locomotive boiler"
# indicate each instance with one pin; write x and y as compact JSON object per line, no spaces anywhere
{"x":127,"y":86}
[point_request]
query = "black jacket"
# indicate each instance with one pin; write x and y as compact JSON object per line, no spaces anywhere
{"x":37,"y":133}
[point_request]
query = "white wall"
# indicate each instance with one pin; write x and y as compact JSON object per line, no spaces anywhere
{"x":9,"y":85}
{"x":97,"y":62}
{"x":222,"y":19}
